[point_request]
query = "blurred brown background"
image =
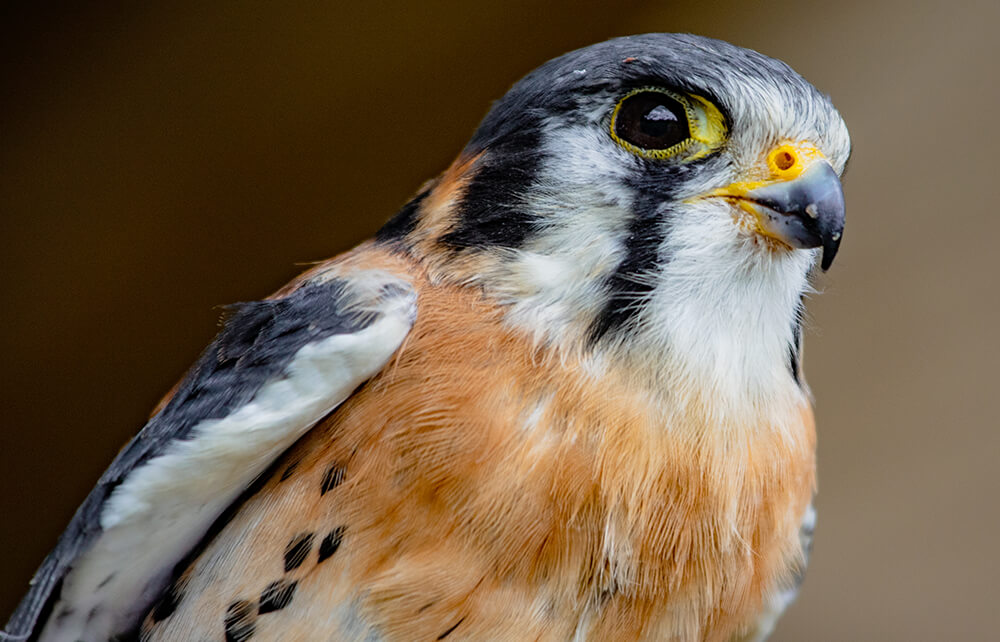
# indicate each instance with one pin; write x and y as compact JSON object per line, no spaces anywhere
{"x":159,"y":159}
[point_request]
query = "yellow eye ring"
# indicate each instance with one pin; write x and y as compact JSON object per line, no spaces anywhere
{"x":684,"y":124}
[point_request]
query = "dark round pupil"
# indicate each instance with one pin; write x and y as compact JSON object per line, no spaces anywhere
{"x":652,"y":120}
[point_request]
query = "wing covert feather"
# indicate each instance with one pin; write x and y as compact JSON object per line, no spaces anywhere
{"x":276,"y":367}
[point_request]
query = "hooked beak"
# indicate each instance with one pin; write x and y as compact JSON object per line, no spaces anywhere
{"x":802,"y":205}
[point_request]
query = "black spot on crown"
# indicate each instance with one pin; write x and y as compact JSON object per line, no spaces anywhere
{"x":240,"y":621}
{"x":297,"y":550}
{"x":331,"y":543}
{"x":276,"y":596}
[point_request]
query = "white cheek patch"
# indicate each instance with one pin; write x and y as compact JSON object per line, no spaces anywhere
{"x":721,"y":306}
{"x":543,"y":272}
{"x":555,"y":280}
{"x":724,"y":309}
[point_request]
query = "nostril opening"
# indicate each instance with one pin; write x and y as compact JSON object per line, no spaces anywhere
{"x":784,"y":160}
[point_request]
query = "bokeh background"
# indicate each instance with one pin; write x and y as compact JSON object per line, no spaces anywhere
{"x":160,"y":159}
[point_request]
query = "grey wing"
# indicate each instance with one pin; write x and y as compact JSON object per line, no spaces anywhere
{"x":275,"y":369}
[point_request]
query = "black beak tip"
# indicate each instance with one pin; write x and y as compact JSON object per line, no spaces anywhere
{"x":830,"y":247}
{"x":808,"y":211}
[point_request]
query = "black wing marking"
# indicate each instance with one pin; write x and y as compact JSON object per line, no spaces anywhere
{"x":255,"y":345}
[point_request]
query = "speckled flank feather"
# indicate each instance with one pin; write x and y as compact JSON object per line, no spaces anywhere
{"x":480,"y":489}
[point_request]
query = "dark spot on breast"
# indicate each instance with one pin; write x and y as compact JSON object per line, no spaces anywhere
{"x":331,"y":542}
{"x":240,"y":621}
{"x":276,"y":596}
{"x":450,"y":630}
{"x":332,"y":478}
{"x":106,"y":580}
{"x":288,"y":471}
{"x":167,"y":603}
{"x":297,"y":550}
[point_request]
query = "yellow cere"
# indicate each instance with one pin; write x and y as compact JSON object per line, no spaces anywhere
{"x":784,"y":163}
{"x":705,"y":122}
{"x":788,"y":161}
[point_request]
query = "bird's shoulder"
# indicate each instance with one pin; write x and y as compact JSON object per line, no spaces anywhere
{"x":276,"y":367}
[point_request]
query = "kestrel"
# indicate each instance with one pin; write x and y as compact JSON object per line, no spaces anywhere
{"x":557,"y":397}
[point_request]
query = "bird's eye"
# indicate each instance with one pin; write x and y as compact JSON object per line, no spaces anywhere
{"x":659,"y":123}
{"x":651,"y":120}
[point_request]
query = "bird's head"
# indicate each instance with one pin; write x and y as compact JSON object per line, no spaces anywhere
{"x":649,"y":195}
